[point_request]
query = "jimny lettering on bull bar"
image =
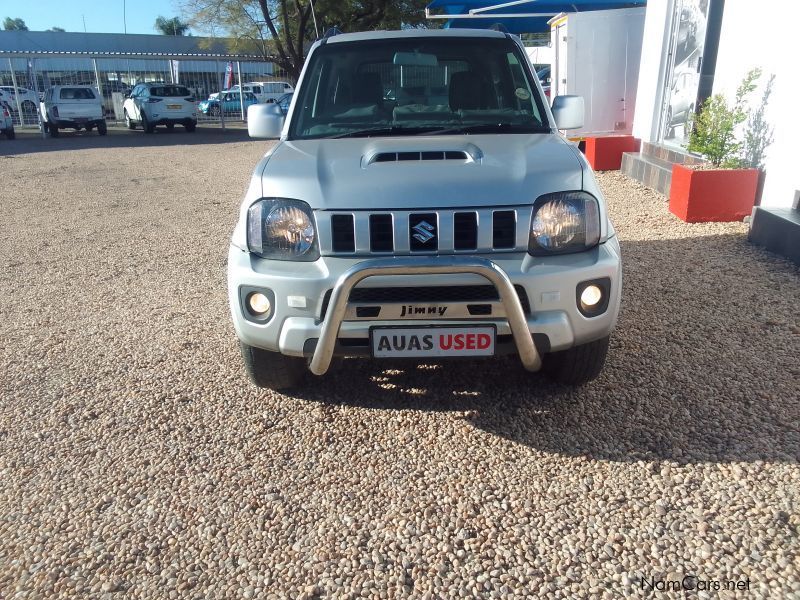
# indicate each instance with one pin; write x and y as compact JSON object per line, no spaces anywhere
{"x":422,"y":310}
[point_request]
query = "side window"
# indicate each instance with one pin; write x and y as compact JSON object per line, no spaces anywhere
{"x":275,"y":88}
{"x":287,"y":87}
{"x":256,"y":89}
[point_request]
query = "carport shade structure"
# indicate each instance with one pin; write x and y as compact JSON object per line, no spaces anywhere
{"x":517,"y":16}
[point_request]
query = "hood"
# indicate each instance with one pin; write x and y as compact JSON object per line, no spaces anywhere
{"x":421,"y":171}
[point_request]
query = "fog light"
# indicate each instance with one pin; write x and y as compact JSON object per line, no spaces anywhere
{"x":591,"y":296}
{"x":259,"y":304}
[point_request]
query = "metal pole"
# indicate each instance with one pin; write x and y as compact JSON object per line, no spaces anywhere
{"x":219,"y":100}
{"x":16,"y":92}
{"x":241,"y":87}
{"x":36,"y":91}
{"x":314,"y":16}
{"x":99,"y":86}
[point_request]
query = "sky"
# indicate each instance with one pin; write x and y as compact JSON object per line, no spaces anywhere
{"x":102,"y":16}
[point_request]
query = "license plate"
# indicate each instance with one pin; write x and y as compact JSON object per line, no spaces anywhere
{"x":174,"y":106}
{"x":400,"y":342}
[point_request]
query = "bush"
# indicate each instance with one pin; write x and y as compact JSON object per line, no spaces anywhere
{"x":714,"y":129}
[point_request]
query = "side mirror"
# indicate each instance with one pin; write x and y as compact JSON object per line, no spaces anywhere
{"x":264,"y":121}
{"x":568,"y":112}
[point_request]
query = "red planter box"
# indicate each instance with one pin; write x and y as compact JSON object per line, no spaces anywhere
{"x":604,"y":153}
{"x":699,"y":196}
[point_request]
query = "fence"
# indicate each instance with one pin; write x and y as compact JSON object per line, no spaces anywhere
{"x":31,"y":74}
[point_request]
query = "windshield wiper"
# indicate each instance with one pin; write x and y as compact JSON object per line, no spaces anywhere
{"x":492,"y":128}
{"x":378,"y":131}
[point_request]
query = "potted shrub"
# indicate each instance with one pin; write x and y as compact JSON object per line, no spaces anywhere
{"x":725,"y":188}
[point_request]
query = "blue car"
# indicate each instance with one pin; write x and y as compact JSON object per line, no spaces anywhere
{"x":227,"y":101}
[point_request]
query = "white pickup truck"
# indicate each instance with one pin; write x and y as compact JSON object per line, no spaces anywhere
{"x":72,"y":107}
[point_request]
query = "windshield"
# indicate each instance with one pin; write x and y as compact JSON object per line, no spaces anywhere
{"x":416,"y":86}
{"x":170,"y":91}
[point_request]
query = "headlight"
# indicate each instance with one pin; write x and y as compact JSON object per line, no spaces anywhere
{"x":564,"y":222}
{"x":282,"y":230}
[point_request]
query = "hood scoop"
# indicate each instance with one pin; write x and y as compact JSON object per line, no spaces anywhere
{"x":468,"y":153}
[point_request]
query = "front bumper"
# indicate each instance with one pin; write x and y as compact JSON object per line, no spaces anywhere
{"x":296,"y":327}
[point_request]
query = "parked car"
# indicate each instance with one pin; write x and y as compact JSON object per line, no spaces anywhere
{"x":153,"y":104}
{"x":108,"y":88}
{"x":229,"y":102}
{"x":264,"y":91}
{"x":72,"y":107}
{"x":27,"y":98}
{"x":284,"y":102}
{"x":6,"y":122}
{"x":416,"y":229}
{"x":682,"y":98}
{"x":544,"y":79}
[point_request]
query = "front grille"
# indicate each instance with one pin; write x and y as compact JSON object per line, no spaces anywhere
{"x":342,"y":233}
{"x":481,"y":230}
{"x":381,"y":233}
{"x":504,"y":229}
{"x":465,"y":231}
{"x":428,"y":294}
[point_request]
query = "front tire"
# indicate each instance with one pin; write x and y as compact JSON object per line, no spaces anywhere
{"x":102,"y":128}
{"x":578,"y":365}
{"x":215,"y":111}
{"x":272,"y":370}
{"x":10,"y":133}
{"x":53,"y":131}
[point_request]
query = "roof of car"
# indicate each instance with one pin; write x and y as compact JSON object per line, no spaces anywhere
{"x":414,"y":33}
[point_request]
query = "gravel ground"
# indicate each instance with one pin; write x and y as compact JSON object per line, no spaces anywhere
{"x":137,"y":461}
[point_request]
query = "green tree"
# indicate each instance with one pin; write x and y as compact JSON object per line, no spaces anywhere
{"x":282,"y":30}
{"x":758,"y":133}
{"x":173,"y":26}
{"x":56,"y":29}
{"x":10,"y":24}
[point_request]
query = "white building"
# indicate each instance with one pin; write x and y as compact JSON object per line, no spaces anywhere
{"x":694,"y":48}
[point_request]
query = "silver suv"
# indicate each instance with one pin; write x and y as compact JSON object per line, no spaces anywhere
{"x":421,"y":204}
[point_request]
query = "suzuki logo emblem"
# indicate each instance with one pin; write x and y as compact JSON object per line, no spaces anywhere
{"x":425,"y":232}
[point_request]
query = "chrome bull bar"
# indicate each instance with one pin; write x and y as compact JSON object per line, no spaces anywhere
{"x":441,"y":265}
